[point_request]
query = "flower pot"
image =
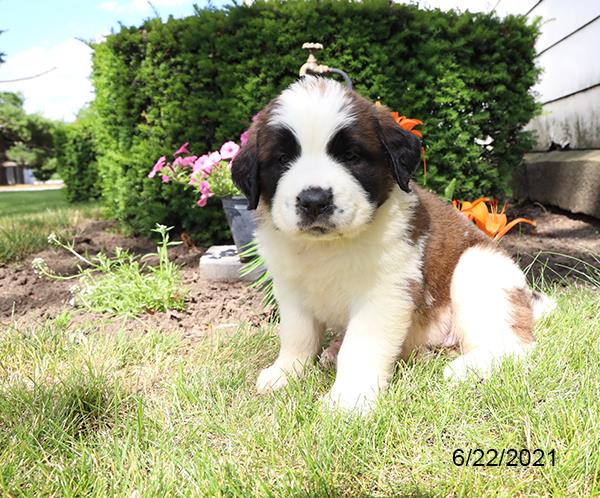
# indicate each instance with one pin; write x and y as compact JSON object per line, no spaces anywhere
{"x":241,"y":221}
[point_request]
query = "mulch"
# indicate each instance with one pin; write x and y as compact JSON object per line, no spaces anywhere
{"x":566,"y":240}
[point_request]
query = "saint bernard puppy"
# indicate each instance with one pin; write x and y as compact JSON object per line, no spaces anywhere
{"x":353,"y":246}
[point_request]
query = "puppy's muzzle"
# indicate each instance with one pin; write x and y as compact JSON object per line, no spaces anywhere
{"x":315,"y":206}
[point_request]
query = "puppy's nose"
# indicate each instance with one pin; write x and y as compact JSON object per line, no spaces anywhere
{"x":315,"y":201}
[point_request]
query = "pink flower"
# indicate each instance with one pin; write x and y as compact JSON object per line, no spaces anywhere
{"x":200,"y":164}
{"x":229,"y":150}
{"x":205,"y":188}
{"x":165,"y":179}
{"x":256,"y":116}
{"x":157,"y":167}
{"x":205,"y":194}
{"x":214,"y":158}
{"x":244,"y":137}
{"x":182,"y":149}
{"x":184,"y":161}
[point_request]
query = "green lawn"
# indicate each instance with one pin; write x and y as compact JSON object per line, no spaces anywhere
{"x":86,"y":413}
{"x":19,"y":203}
{"x":26,"y":219}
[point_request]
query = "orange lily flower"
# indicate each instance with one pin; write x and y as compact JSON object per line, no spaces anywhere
{"x":474,"y":211}
{"x":408,"y":123}
{"x":492,"y":222}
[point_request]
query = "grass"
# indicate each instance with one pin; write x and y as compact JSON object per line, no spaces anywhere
{"x":31,"y":202}
{"x":122,"y":284}
{"x":26,"y":219}
{"x":89,"y":413}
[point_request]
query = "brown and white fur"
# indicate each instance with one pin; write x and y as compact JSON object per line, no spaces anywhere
{"x":352,"y":246}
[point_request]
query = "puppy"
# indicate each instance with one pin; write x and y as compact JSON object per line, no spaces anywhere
{"x":352,"y":245}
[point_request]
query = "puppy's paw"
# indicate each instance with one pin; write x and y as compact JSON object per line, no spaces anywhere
{"x":271,"y":379}
{"x":349,"y":401}
{"x":463,"y":368}
{"x":456,"y":371}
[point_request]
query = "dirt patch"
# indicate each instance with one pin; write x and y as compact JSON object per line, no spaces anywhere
{"x":27,"y":299}
{"x":561,"y":245}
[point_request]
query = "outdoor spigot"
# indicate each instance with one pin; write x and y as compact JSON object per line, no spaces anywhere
{"x":311,"y":65}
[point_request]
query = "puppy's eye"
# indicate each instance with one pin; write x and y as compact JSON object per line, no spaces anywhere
{"x":350,"y":156}
{"x":283,"y":159}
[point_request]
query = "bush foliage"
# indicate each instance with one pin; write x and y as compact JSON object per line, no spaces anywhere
{"x":201,"y":78}
{"x":77,"y":163}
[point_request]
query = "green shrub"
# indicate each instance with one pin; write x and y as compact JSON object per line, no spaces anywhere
{"x":77,"y":164}
{"x":201,"y":78}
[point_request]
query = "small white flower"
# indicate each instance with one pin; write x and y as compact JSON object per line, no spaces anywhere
{"x":52,"y":238}
{"x":487,"y":141}
{"x":39,"y":265}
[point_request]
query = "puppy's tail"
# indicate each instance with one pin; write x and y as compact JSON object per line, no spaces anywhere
{"x":542,"y":305}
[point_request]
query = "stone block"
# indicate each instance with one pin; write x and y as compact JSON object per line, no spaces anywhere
{"x":569,"y":180}
{"x":223,"y":263}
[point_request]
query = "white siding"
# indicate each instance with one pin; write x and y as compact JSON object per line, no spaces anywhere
{"x":574,"y":120}
{"x":569,"y":88}
{"x":572,"y":65}
{"x":562,"y":17}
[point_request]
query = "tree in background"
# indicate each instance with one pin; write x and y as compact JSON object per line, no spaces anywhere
{"x":26,"y":139}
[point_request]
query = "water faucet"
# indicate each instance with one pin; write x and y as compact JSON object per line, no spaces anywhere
{"x":311,"y":66}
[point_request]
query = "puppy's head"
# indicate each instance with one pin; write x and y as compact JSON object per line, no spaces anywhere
{"x":321,"y":160}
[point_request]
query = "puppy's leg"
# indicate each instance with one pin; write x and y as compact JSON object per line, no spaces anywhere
{"x":492,"y":311}
{"x":300,"y":337}
{"x":368,"y":353}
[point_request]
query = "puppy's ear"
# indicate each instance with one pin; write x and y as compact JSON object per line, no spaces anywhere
{"x":401,"y":146}
{"x":244,"y":169}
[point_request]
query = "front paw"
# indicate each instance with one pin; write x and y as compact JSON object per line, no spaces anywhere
{"x":360,"y":402}
{"x":271,"y":379}
{"x":277,"y":375}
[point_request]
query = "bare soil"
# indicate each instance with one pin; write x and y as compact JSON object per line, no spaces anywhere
{"x":26,"y":299}
{"x":558,"y":248}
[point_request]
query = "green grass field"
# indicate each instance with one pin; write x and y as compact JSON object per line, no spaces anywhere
{"x":30,"y":202}
{"x":86,"y":413}
{"x":26,"y":219}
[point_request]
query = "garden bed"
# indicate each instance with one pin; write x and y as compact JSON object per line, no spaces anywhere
{"x":568,"y":242}
{"x":25,"y":298}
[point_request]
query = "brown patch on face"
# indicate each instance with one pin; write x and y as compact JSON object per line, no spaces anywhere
{"x":357,"y":147}
{"x":521,"y":313}
{"x":264,"y":158}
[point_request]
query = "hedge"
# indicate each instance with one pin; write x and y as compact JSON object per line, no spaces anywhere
{"x":77,"y":161}
{"x":201,"y":78}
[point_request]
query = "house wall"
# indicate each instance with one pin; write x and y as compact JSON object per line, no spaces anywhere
{"x":569,"y":89}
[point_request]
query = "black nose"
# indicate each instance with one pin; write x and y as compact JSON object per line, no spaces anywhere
{"x":315,"y":201}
